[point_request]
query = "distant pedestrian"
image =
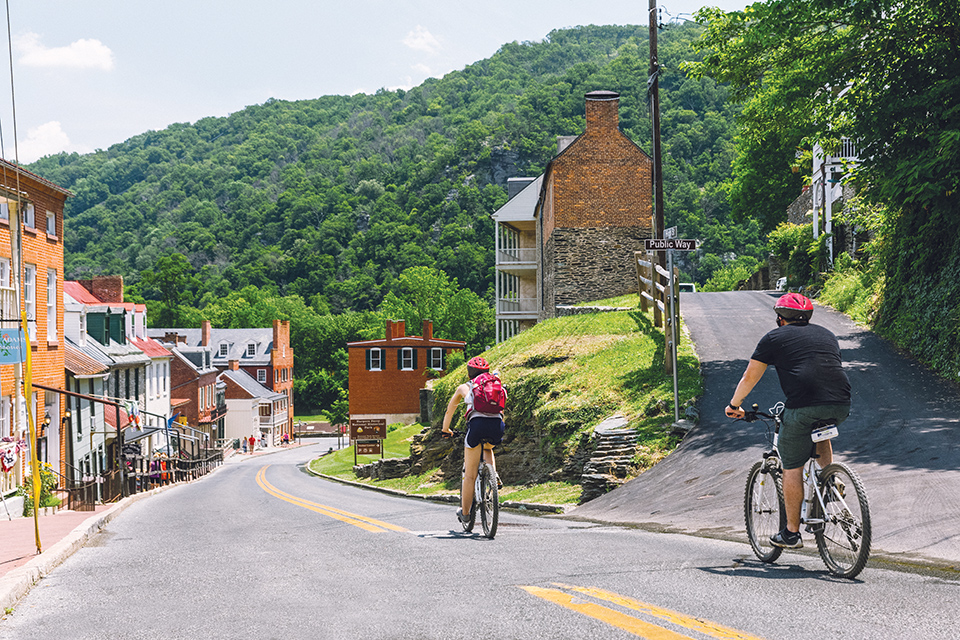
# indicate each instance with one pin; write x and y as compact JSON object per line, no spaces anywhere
{"x":252,"y":442}
{"x":244,"y":445}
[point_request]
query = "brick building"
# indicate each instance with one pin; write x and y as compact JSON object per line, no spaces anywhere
{"x":386,"y":375}
{"x":39,"y":206}
{"x":264,"y":353}
{"x":569,"y":235}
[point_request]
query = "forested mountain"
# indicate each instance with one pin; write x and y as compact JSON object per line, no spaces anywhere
{"x":333,"y":198}
{"x":323,"y":204}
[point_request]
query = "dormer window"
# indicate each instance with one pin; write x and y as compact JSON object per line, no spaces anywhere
{"x":224,"y":349}
{"x":251,"y":350}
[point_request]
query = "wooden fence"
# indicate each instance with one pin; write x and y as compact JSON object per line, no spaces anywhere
{"x":656,"y":286}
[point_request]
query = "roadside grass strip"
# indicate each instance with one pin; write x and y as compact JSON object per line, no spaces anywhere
{"x":368,"y":524}
{"x":631,"y":624}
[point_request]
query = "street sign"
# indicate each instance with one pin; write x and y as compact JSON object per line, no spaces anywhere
{"x":670,"y":233}
{"x":369,"y":448}
{"x":368,"y":429}
{"x":665,"y":244}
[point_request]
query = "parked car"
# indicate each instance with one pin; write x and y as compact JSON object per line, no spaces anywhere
{"x":689,"y":287}
{"x":781,"y":284}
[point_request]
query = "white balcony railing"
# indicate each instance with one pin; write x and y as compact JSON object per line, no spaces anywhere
{"x":517,"y":305}
{"x":513,"y":256}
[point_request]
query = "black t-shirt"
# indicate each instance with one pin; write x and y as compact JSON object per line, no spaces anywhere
{"x":807,"y":358}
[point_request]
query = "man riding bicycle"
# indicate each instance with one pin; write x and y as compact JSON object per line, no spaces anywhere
{"x":808,"y":364}
{"x":481,"y":428}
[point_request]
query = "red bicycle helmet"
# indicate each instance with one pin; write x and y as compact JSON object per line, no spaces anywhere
{"x":479,"y":364}
{"x":794,"y":307}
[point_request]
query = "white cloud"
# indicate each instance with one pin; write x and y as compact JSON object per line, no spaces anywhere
{"x":422,"y":40}
{"x":42,"y":141}
{"x":421,"y":68}
{"x":82,"y":54}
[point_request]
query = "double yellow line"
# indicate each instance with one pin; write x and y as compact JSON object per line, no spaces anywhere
{"x":368,"y":524}
{"x":630,"y":623}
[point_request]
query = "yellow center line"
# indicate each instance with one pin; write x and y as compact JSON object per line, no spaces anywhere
{"x":711,"y":629}
{"x":605,"y":614}
{"x":369,"y":524}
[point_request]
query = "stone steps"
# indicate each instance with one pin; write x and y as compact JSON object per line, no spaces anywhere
{"x":612,"y":458}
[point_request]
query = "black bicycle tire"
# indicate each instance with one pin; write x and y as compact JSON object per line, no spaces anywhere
{"x":865,"y":532}
{"x":759,"y":541}
{"x":489,"y":502}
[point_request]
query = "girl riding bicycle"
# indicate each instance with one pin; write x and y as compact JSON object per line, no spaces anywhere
{"x":485,"y":428}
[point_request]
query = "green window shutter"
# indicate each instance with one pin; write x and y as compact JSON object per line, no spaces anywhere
{"x":415,"y":359}
{"x":116,"y":328}
{"x":443,"y":360}
{"x":367,"y":355}
{"x":96,"y":327}
{"x":399,"y":359}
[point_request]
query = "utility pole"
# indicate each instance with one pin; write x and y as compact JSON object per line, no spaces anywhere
{"x":653,"y":88}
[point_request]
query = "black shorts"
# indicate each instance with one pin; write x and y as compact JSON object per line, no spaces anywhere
{"x":482,"y":428}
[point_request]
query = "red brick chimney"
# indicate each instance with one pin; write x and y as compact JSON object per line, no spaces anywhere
{"x":427,"y":330}
{"x":233,"y":365}
{"x":205,"y":333}
{"x":603,"y":111}
{"x":396,"y":329}
{"x":105,"y":288}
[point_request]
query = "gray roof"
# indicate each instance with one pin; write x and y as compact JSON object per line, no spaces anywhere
{"x":235,"y":339}
{"x":250,"y":385}
{"x":522,"y":205}
{"x":125,"y":354}
{"x":195,"y":357}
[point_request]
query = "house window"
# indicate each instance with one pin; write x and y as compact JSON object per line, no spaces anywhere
{"x":437,"y":359}
{"x":29,"y":216}
{"x":4,"y":416}
{"x":407,"y":359}
{"x":224,"y":348}
{"x":30,"y":297}
{"x":5,"y":211}
{"x":374,"y":359}
{"x":5,"y":273}
{"x":265,"y":410}
{"x":51,"y":305}
{"x":51,"y":223}
{"x":251,"y":350}
{"x":262,"y":376}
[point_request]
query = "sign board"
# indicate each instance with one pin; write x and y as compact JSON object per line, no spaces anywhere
{"x":670,"y":233}
{"x":664,"y":244}
{"x":369,"y":448}
{"x":13,"y":346}
{"x":368,"y":429}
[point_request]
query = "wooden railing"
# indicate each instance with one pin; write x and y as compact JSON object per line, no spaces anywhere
{"x":656,"y":286}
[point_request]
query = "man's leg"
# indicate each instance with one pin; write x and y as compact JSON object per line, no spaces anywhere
{"x":793,"y":497}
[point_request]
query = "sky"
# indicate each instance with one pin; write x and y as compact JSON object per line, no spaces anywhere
{"x":88,"y":74}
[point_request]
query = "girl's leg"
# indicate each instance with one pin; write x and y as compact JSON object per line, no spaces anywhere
{"x":471,"y":460}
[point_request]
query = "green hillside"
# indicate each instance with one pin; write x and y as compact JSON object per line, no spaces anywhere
{"x":331,"y":199}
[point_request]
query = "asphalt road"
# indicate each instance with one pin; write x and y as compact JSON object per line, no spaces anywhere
{"x":259,"y":549}
{"x":903,"y":437}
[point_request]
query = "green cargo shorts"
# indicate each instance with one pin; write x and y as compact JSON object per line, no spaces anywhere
{"x":795,"y":444}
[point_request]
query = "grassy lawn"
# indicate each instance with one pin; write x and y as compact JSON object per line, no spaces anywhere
{"x":564,"y":375}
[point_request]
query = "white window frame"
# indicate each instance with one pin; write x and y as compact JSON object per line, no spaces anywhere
{"x":262,"y":376}
{"x":224,"y":349}
{"x":5,"y":210}
{"x":51,"y":223}
{"x":5,"y":426}
{"x":5,"y":273}
{"x":436,"y":358}
{"x":52,"y":335}
{"x":30,"y":297}
{"x":30,"y":215}
{"x":251,"y":350}
{"x":376,"y":359}
{"x":406,"y":359}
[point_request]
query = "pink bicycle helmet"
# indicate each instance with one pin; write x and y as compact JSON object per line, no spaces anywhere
{"x":479,"y":363}
{"x":794,"y":307}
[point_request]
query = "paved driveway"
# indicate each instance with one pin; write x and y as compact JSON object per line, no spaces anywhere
{"x":903,"y":437}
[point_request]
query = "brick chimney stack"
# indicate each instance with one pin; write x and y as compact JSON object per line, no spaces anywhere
{"x":603,"y":111}
{"x":205,"y":333}
{"x":105,"y":288}
{"x":233,"y":365}
{"x":427,"y":330}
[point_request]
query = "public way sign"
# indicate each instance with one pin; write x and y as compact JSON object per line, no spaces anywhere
{"x":664,"y":244}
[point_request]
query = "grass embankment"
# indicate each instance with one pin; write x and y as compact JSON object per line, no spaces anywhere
{"x":564,"y":376}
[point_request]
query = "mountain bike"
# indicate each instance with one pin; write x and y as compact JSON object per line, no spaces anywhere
{"x":486,"y":495}
{"x":835,"y":507}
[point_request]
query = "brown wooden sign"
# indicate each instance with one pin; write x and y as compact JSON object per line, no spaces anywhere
{"x":368,"y":429}
{"x":369,"y":448}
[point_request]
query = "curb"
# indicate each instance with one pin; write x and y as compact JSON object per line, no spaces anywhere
{"x":509,"y":504}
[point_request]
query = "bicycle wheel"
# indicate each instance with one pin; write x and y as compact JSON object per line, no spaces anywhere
{"x":489,"y":501}
{"x":763,"y":508}
{"x":844,"y":541}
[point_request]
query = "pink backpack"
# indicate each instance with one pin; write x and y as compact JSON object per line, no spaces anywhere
{"x":489,"y":396}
